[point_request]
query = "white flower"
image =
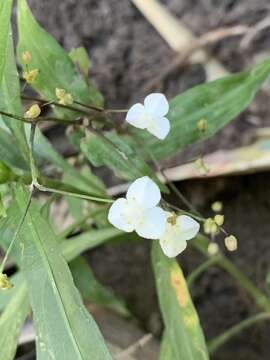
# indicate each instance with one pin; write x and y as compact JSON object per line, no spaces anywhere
{"x":179,"y":229}
{"x":151,"y":115}
{"x":138,"y":211}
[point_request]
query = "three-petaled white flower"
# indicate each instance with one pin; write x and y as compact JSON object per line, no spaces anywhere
{"x":179,"y":229}
{"x":151,"y":115}
{"x":139,"y":210}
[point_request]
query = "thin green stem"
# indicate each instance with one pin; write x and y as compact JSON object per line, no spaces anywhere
{"x":215,"y":343}
{"x":2,"y":267}
{"x":76,"y":195}
{"x":34,"y":175}
{"x":202,"y":268}
{"x":54,"y":103}
{"x":90,"y":107}
{"x":259,"y":297}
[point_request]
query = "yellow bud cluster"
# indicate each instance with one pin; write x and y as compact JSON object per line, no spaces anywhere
{"x":5,"y":283}
{"x":64,"y":98}
{"x":30,"y":75}
{"x":33,"y":112}
{"x":211,"y":225}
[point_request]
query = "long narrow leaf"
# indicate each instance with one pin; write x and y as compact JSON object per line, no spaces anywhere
{"x":65,"y":330}
{"x":182,"y":324}
{"x":11,"y":322}
{"x":218,"y":102}
{"x":5,"y":12}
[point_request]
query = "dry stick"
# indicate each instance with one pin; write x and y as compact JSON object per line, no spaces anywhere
{"x":180,"y":60}
{"x":134,"y":347}
{"x":250,"y":36}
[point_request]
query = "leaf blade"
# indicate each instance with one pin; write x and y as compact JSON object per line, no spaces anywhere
{"x":180,"y":317}
{"x":69,"y":332}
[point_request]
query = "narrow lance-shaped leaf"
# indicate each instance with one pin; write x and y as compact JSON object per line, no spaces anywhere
{"x":182,"y":323}
{"x":56,"y":69}
{"x":218,"y":102}
{"x":10,"y":100}
{"x":12,"y":320}
{"x":68,"y":332}
{"x":5,"y":12}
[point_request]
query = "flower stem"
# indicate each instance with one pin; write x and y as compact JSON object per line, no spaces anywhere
{"x":215,"y":343}
{"x":200,"y":269}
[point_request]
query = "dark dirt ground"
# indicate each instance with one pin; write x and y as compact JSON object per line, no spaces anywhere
{"x":126,"y":52}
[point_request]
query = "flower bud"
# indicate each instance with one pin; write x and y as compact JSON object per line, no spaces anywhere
{"x":210,"y":226}
{"x":219,"y":219}
{"x":213,"y":249}
{"x":5,"y":283}
{"x":217,"y":206}
{"x":26,"y":57}
{"x":202,"y":125}
{"x":33,"y":112}
{"x":64,"y":98}
{"x":30,"y":76}
{"x":231,"y":243}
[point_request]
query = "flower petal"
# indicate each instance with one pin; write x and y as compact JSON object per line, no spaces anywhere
{"x":153,"y":224}
{"x":189,"y":227}
{"x":118,"y":215}
{"x":172,"y":247}
{"x":144,"y":192}
{"x":156,"y":104}
{"x":159,"y":127}
{"x":136,"y":116}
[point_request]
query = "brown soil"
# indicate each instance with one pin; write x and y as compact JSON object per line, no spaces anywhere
{"x":126,"y":52}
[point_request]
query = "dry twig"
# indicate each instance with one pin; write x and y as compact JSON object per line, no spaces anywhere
{"x":251,"y":35}
{"x":134,"y":347}
{"x":207,"y":39}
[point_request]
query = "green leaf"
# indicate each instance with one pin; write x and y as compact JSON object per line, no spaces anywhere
{"x":43,"y":149}
{"x":88,"y":240}
{"x":80,"y":57}
{"x":12,"y":320}
{"x":91,"y":289}
{"x":56,"y":69}
{"x":166,"y":351}
{"x":115,"y":153}
{"x":5,"y":12}
{"x":10,"y":100}
{"x":180,"y":317}
{"x":9,"y":152}
{"x":65,"y":330}
{"x":218,"y":102}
